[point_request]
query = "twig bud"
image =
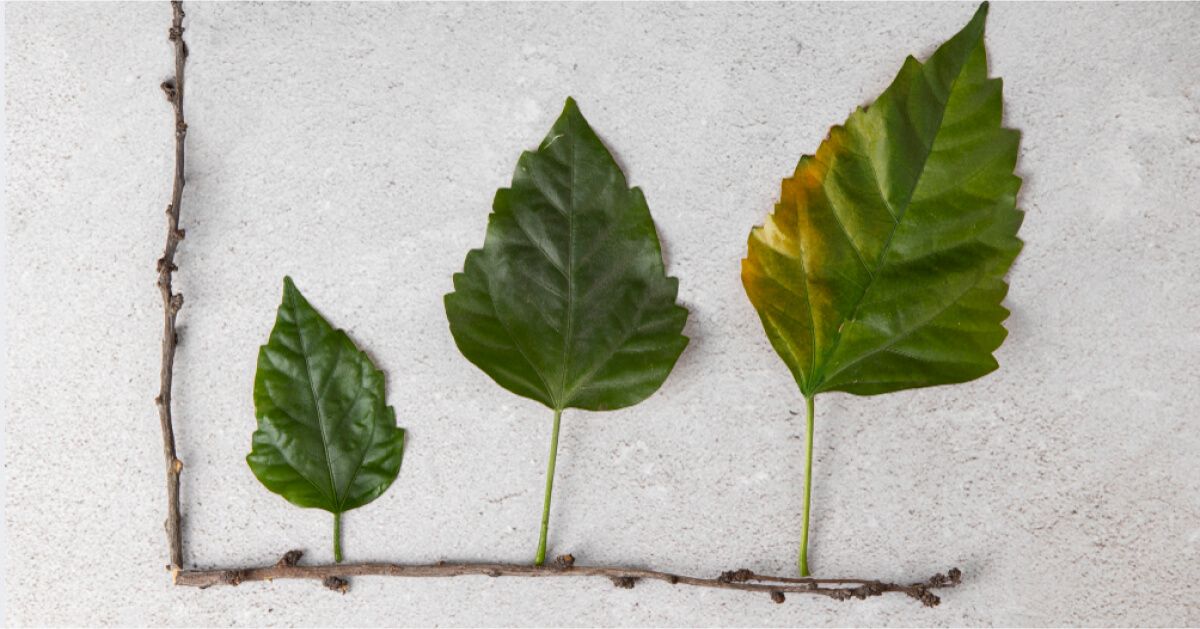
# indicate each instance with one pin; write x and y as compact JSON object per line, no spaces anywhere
{"x":337,"y":584}
{"x":289,"y":559}
{"x":625,"y":583}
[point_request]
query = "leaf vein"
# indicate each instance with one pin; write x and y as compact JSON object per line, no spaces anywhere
{"x":316,"y":400}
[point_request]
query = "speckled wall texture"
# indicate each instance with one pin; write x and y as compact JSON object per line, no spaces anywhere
{"x":357,"y":147}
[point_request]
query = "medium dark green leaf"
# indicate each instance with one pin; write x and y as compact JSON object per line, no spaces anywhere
{"x":326,"y":437}
{"x":568,"y":302}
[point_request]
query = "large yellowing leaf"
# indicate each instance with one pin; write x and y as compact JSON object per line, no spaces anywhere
{"x":882,"y":267}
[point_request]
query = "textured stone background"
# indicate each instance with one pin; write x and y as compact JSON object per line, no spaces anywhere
{"x":358,"y":147}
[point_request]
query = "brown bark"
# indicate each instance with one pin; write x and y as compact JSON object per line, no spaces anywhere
{"x":334,"y":577}
{"x":172,"y":301}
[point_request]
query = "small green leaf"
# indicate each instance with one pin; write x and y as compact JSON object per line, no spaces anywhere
{"x":326,"y":437}
{"x":882,"y":267}
{"x":568,"y":302}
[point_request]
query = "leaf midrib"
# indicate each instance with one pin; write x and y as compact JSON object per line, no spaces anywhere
{"x":819,"y":379}
{"x":560,"y":403}
{"x":316,"y":400}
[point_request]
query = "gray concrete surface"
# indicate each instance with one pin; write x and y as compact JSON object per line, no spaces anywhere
{"x":358,"y":147}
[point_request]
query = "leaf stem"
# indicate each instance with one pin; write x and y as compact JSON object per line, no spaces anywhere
{"x":808,"y":448}
{"x":541,"y":551}
{"x":337,"y":538}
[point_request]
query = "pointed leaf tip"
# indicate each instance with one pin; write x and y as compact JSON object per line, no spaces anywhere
{"x":978,"y":20}
{"x":571,"y":111}
{"x":289,"y":289}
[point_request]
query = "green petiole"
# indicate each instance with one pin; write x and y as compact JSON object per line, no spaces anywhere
{"x":337,"y":538}
{"x":541,"y":551}
{"x":807,"y":489}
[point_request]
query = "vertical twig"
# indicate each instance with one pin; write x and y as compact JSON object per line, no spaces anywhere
{"x":172,"y":301}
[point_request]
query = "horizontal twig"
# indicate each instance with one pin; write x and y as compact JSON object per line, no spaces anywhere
{"x":334,"y":577}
